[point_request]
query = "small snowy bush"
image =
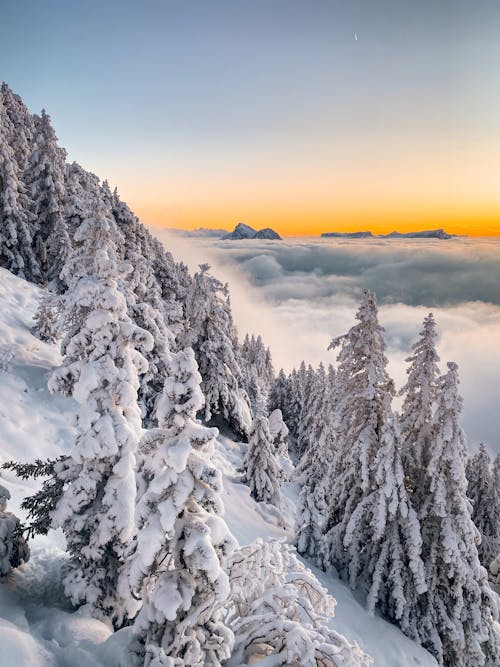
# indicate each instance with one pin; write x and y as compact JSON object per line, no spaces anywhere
{"x":14,"y":550}
{"x":279,"y":612}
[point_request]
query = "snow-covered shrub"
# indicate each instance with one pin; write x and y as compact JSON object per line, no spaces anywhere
{"x":279,"y":612}
{"x":14,"y":550}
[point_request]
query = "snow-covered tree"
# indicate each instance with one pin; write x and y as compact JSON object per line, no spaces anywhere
{"x":295,"y":402}
{"x":279,"y":394}
{"x":177,"y":564}
{"x":260,"y":467}
{"x":44,"y":178}
{"x":100,"y":371}
{"x":416,"y":419}
{"x":279,"y":612}
{"x":485,"y":498}
{"x":383,"y":543}
{"x":459,"y":625}
{"x":46,"y":318}
{"x":21,"y":125}
{"x":258,"y":372}
{"x":279,"y":433}
{"x":39,"y":506}
{"x":361,"y":421}
{"x":14,"y":550}
{"x":313,"y":392}
{"x":213,"y":339}
{"x":16,"y":252}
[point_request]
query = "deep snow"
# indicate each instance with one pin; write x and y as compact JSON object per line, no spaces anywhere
{"x":37,"y":629}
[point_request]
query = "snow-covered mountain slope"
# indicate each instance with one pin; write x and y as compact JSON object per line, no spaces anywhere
{"x":36,"y":627}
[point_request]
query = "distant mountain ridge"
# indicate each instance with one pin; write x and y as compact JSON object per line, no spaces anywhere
{"x":242,"y":231}
{"x":426,"y":234}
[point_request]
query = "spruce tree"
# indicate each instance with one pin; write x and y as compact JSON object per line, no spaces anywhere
{"x":361,"y":421}
{"x":459,"y":625}
{"x":214,"y":342}
{"x":416,"y":420}
{"x":177,"y":564}
{"x":260,"y":467}
{"x":44,"y":178}
{"x":484,"y":495}
{"x":16,"y":252}
{"x":100,"y":371}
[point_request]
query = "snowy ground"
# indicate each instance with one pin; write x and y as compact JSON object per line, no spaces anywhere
{"x":36,"y":627}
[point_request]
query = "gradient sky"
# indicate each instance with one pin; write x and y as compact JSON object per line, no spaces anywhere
{"x":205,"y":113}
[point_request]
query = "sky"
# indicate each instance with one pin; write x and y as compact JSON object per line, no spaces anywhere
{"x":306,"y":117}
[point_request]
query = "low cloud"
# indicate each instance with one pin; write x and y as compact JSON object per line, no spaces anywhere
{"x":299,"y":294}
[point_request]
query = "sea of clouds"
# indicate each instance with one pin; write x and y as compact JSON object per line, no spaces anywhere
{"x":299,"y":293}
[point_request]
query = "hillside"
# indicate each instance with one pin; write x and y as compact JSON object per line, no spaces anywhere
{"x":36,"y":627}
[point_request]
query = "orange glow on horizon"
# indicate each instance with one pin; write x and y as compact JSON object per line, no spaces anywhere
{"x":314,"y":223}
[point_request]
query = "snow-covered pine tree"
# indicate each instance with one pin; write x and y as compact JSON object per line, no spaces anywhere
{"x":278,"y":395}
{"x":258,"y":372}
{"x":14,"y":550}
{"x":260,"y":467}
{"x":485,"y":499}
{"x":361,"y":420}
{"x":39,"y":506}
{"x":213,"y":339}
{"x":44,"y":178}
{"x":82,"y":189}
{"x":177,"y":563}
{"x":46,"y":317}
{"x":100,"y":371}
{"x":383,"y":543}
{"x":311,"y":415}
{"x":16,"y":254}
{"x":295,"y":402}
{"x":312,"y":475}
{"x":21,"y":125}
{"x":279,"y":612}
{"x":459,"y":626}
{"x":416,"y":419}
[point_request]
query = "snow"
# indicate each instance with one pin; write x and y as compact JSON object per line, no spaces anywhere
{"x":37,"y":629}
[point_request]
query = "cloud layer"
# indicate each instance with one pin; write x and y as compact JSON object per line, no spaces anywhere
{"x":300,"y":293}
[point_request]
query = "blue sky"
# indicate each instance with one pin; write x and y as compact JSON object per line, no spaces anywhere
{"x":269,"y":109}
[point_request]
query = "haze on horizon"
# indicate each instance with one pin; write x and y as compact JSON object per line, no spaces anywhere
{"x":273,"y":113}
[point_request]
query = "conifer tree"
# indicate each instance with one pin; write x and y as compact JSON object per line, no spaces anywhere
{"x":383,"y":543}
{"x":214,"y":342}
{"x":260,"y":467}
{"x":100,"y":371}
{"x":362,"y":422}
{"x":177,"y":564}
{"x":16,"y":253}
{"x":484,"y":495}
{"x":44,"y":178}
{"x":459,"y":622}
{"x":21,"y":126}
{"x":416,"y":420}
{"x":278,"y":395}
